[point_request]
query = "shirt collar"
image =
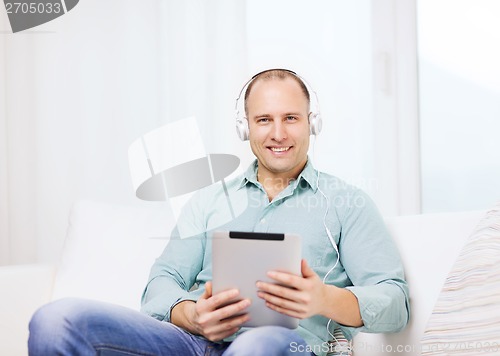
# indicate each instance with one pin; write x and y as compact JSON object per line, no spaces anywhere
{"x":308,"y":174}
{"x":250,"y":175}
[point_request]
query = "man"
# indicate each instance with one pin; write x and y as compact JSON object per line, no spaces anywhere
{"x":365,"y":291}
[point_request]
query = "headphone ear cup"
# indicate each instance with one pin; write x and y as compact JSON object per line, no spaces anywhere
{"x":242,"y":129}
{"x":315,"y":123}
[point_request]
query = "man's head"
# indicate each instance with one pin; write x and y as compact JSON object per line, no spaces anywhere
{"x":315,"y":121}
{"x":277,"y":109}
{"x":280,"y":74}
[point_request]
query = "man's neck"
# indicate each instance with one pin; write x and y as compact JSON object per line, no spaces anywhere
{"x":273,"y":186}
{"x":274,"y":183}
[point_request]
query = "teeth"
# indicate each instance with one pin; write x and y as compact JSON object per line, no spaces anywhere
{"x":279,"y":149}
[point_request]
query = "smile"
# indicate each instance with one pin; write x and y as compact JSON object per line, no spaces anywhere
{"x":279,"y":149}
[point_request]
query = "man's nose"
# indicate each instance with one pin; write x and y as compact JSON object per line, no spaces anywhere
{"x":279,"y":130}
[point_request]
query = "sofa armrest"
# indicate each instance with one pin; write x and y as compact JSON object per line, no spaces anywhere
{"x":23,"y":288}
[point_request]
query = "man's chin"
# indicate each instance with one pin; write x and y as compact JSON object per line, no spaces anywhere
{"x":280,"y":169}
{"x":286,"y":167}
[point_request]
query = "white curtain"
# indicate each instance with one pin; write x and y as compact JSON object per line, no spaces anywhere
{"x":77,"y":91}
{"x":4,"y":219}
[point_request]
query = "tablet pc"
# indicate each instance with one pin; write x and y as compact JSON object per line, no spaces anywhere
{"x":240,"y":259}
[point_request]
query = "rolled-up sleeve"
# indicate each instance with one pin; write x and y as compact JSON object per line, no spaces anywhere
{"x":383,"y":307}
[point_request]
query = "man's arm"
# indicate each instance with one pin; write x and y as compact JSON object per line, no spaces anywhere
{"x":378,"y":301}
{"x":172,"y":276}
{"x":372,"y":261}
{"x":176,"y":271}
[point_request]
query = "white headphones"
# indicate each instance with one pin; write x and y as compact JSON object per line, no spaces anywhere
{"x":315,"y":121}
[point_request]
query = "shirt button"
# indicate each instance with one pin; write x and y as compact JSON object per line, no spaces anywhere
{"x":262,"y":221}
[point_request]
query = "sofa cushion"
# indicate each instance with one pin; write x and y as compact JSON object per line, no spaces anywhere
{"x":466,"y":316}
{"x":109,"y":250}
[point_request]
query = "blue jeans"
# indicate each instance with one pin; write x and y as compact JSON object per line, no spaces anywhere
{"x":83,"y":327}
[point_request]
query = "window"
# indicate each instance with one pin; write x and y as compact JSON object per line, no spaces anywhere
{"x":459,"y":89}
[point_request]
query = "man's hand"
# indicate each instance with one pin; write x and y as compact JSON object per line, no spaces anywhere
{"x":208,"y":317}
{"x":297,"y":296}
{"x":304,"y":296}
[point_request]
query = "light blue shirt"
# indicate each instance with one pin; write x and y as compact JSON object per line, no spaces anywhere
{"x":369,"y":266}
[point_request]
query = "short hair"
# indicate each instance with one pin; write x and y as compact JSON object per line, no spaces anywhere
{"x":280,"y":74}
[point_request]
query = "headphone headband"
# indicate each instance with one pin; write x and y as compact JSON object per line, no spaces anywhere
{"x":315,"y":121}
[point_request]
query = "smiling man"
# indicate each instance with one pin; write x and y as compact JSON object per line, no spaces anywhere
{"x":351,"y":275}
{"x":277,"y":105}
{"x":278,"y":119}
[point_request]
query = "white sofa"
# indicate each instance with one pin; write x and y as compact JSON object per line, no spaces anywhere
{"x":109,"y":249}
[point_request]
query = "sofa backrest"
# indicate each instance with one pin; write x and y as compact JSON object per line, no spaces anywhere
{"x":109,"y":250}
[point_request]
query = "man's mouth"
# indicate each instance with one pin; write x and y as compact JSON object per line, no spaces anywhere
{"x":280,"y":149}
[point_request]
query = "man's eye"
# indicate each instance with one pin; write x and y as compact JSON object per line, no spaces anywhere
{"x":263,"y":120}
{"x":291,"y":118}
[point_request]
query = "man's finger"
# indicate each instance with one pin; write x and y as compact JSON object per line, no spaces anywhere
{"x":231,"y":310}
{"x":208,"y":291}
{"x":287,"y":279}
{"x":223,"y":298}
{"x":306,"y":270}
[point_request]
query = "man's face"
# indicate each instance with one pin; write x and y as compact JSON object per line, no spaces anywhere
{"x":279,"y":127}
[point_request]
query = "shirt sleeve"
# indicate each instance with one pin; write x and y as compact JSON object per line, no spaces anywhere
{"x":172,"y":276}
{"x":174,"y":273}
{"x":373,"y":264}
